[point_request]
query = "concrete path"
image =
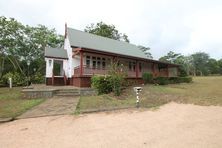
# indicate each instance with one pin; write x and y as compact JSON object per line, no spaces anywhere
{"x":53,"y":106}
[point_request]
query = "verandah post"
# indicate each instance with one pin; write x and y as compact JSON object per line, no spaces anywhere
{"x":137,"y":69}
{"x":81,"y":63}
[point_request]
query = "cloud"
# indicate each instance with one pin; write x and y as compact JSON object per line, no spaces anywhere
{"x":184,"y":26}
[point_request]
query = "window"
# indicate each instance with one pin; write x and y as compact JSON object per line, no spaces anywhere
{"x":98,"y":63}
{"x":134,"y":66}
{"x":103,"y":63}
{"x":94,"y":62}
{"x":140,"y":67}
{"x":87,"y":61}
{"x":130,"y":66}
{"x":50,"y":63}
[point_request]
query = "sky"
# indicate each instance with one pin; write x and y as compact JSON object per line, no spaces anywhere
{"x":182,"y":26}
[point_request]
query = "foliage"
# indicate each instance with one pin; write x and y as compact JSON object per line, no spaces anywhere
{"x":102,"y":84}
{"x":171,"y":57}
{"x":146,"y":50}
{"x":17,"y":79}
{"x":200,"y":60}
{"x":196,"y":64}
{"x":174,"y":80}
{"x":118,"y":73}
{"x":38,"y":78}
{"x":161,"y":80}
{"x":112,"y":82}
{"x":106,"y":30}
{"x":21,"y":43}
{"x":147,"y":77}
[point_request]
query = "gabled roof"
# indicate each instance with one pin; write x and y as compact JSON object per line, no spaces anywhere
{"x":90,"y":41}
{"x":59,"y":53}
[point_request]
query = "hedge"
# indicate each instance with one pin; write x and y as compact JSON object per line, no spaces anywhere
{"x":172,"y":80}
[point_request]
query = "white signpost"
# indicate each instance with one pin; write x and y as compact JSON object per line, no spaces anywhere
{"x":137,"y":90}
{"x":10,"y":82}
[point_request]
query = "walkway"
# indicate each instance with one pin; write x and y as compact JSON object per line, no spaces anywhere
{"x":53,"y":106}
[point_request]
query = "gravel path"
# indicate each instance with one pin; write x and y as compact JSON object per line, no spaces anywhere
{"x":173,"y":125}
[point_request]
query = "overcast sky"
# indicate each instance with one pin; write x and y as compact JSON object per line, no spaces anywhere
{"x":183,"y":26}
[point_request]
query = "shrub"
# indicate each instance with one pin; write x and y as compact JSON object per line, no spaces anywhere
{"x":113,"y":82}
{"x":38,"y":78}
{"x":117,"y":74}
{"x":186,"y":79}
{"x":17,"y":79}
{"x":162,"y":80}
{"x":173,"y":80}
{"x":147,"y":77}
{"x":116,"y":83}
{"x":102,"y":84}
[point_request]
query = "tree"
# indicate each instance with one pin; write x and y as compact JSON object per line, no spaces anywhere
{"x":185,"y":62}
{"x":106,"y":30}
{"x":11,"y":32}
{"x":20,"y":43}
{"x":146,"y":50}
{"x":200,"y":61}
{"x":171,"y":57}
{"x":220,"y":66}
{"x":213,"y":66}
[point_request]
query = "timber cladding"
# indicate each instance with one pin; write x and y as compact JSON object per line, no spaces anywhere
{"x":83,"y":81}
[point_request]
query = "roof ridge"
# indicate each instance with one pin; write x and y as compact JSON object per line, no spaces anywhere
{"x":102,"y":37}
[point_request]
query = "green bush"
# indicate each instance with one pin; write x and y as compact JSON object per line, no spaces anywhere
{"x":17,"y":79}
{"x":173,"y":80}
{"x":116,"y":83}
{"x":185,"y":79}
{"x":147,"y":77}
{"x":38,"y":78}
{"x":161,"y":80}
{"x":102,"y":84}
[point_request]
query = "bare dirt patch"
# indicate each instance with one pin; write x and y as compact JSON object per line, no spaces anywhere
{"x":173,"y":125}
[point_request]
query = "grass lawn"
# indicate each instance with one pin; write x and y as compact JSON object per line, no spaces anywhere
{"x":203,"y":91}
{"x":12,"y":104}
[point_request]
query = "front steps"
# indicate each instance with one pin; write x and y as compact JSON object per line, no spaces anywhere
{"x":59,"y":92}
{"x":67,"y":92}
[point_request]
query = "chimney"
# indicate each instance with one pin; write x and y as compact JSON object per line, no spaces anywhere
{"x":65,"y":30}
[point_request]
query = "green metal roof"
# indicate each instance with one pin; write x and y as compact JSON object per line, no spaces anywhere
{"x":87,"y":40}
{"x":56,"y":53}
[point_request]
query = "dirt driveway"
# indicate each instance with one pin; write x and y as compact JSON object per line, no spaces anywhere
{"x":173,"y":125}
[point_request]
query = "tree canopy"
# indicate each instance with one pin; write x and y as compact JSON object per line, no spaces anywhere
{"x":198,"y":63}
{"x":146,"y":50}
{"x":21,"y":43}
{"x":106,"y":30}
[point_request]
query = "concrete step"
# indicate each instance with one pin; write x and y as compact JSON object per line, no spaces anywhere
{"x":67,"y":94}
{"x":68,"y":90}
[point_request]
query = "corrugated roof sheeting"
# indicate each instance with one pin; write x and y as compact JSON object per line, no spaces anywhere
{"x":86,"y":40}
{"x":56,"y":53}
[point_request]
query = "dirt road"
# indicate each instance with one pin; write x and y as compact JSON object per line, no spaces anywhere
{"x":173,"y":125}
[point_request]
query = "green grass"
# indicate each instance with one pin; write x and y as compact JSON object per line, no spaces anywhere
{"x":12,"y":104}
{"x":202,"y":91}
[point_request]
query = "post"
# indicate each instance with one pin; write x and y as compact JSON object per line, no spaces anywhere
{"x":167,"y":70}
{"x":137,"y":90}
{"x":137,"y":69}
{"x":81,"y":63}
{"x":10,"y":82}
{"x":28,"y":82}
{"x":52,"y":77}
{"x":153,"y":70}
